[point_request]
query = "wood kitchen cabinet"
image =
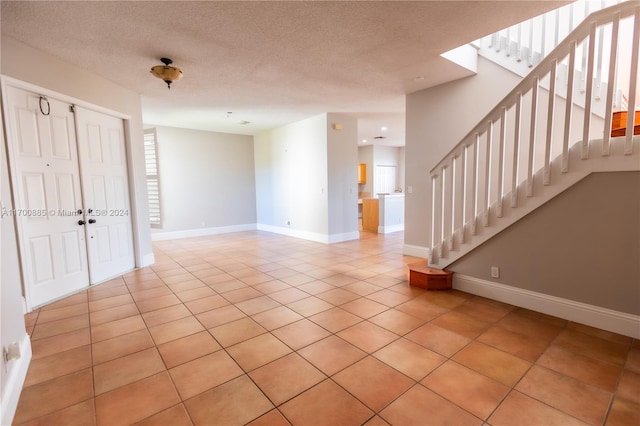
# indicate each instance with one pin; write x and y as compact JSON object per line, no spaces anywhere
{"x":370,"y":217}
{"x":362,"y":173}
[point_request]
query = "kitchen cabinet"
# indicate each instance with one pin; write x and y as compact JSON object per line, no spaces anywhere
{"x":370,"y":216}
{"x":362,"y":173}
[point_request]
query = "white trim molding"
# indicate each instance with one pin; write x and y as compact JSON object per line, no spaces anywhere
{"x":346,"y":236}
{"x":416,"y":251}
{"x":15,"y":380}
{"x":391,"y":228}
{"x":311,"y":236}
{"x":201,"y":232}
{"x":595,"y":316}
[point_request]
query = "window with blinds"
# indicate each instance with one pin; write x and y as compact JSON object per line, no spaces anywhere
{"x":385,"y":179}
{"x":153,"y":179}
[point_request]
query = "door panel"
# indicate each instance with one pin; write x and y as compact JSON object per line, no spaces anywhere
{"x":102,"y":244}
{"x":41,"y":260}
{"x":65,"y":194}
{"x":72,"y":251}
{"x":94,"y":144}
{"x":60,"y":135}
{"x":124,"y":248}
{"x":120,"y":192}
{"x":46,"y":189}
{"x":96,"y":194}
{"x":116,"y":155}
{"x":101,"y":148}
{"x":34,"y":196}
{"x":26,"y":124}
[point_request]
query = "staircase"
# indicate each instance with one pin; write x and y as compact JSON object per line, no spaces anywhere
{"x":522,"y":46}
{"x":546,"y":135}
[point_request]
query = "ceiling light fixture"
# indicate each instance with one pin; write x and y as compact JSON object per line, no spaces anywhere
{"x":166,"y":72}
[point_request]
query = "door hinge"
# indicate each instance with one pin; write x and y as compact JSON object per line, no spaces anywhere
{"x":72,"y":108}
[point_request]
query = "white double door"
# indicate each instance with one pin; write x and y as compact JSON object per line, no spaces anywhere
{"x":71,"y":197}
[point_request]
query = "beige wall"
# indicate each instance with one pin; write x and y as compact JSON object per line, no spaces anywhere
{"x":583,"y":245}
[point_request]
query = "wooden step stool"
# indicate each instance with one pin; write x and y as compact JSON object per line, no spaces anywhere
{"x":421,"y":275}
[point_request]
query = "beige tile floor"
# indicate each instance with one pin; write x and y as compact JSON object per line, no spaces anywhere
{"x":256,"y":328}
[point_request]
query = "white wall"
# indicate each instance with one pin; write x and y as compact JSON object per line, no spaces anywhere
{"x":207,"y":182}
{"x":291,"y":176}
{"x":437,"y":119}
{"x":12,"y":326}
{"x":292,"y":166}
{"x":342,"y":158}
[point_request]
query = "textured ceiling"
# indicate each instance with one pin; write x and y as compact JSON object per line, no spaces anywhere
{"x":266,"y":62}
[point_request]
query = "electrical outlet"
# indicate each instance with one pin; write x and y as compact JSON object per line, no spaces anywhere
{"x":495,"y":272}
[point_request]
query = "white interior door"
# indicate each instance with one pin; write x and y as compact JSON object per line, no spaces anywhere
{"x":103,"y":167}
{"x":47,"y":195}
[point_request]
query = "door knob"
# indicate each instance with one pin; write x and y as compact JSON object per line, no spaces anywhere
{"x":92,"y":221}
{"x":81,"y":222}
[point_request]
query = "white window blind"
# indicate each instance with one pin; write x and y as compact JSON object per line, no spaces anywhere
{"x":385,"y":179}
{"x":153,"y":179}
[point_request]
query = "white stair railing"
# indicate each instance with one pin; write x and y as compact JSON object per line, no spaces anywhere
{"x":539,"y":120}
{"x":530,"y":40}
{"x":522,"y":46}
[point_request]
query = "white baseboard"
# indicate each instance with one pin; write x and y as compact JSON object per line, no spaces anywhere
{"x":311,"y":236}
{"x":347,"y":236}
{"x":595,"y":316}
{"x":201,"y":232}
{"x":416,"y":251}
{"x":390,"y":229}
{"x":15,"y":379}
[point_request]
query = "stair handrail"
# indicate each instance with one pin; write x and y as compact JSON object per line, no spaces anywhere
{"x":599,"y":18}
{"x":452,"y":196}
